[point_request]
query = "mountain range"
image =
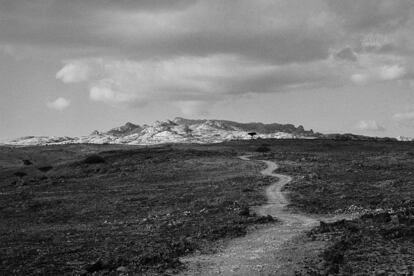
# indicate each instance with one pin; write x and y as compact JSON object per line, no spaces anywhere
{"x":178,"y":130}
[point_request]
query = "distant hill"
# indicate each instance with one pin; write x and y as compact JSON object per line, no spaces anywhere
{"x":179,"y":130}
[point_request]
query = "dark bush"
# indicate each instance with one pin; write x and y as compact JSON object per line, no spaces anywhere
{"x":263,"y":148}
{"x":265,"y":219}
{"x":20,"y":174}
{"x":245,"y":211}
{"x":45,"y":168}
{"x":93,"y":159}
{"x":335,"y":254}
{"x":27,"y":162}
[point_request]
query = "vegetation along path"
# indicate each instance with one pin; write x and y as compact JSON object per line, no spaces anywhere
{"x":259,"y":252}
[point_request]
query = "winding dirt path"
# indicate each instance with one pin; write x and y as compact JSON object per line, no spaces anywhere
{"x":258,"y":252}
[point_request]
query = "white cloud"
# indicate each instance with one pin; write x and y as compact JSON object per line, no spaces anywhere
{"x":191,"y":80}
{"x":360,"y":78}
{"x":74,"y":71}
{"x":392,"y":72}
{"x":109,"y":91}
{"x":373,"y":68}
{"x":405,"y":118}
{"x":59,"y":104}
{"x":369,"y":125}
{"x":216,"y":77}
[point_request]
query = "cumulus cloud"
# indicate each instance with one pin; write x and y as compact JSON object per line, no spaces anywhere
{"x":373,"y":67}
{"x":369,"y":125}
{"x":59,"y":104}
{"x":392,"y":72}
{"x":192,"y":80}
{"x":217,"y":77}
{"x":375,"y":74}
{"x":74,"y":72}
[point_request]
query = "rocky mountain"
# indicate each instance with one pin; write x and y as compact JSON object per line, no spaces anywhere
{"x":179,"y":130}
{"x":127,"y":129}
{"x":405,"y":139}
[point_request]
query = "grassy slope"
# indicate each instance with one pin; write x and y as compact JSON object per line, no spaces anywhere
{"x":142,"y":208}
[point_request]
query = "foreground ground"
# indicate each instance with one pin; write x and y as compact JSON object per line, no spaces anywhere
{"x":373,"y":180}
{"x":87,"y":209}
{"x":139,"y":209}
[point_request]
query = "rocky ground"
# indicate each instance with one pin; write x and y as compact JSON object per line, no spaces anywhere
{"x":108,"y":209}
{"x":375,"y":244}
{"x":105,"y":210}
{"x":372,"y":181}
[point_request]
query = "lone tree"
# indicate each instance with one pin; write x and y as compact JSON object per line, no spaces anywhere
{"x":252,"y":134}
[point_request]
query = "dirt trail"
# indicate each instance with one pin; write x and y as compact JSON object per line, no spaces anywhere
{"x":257,"y":253}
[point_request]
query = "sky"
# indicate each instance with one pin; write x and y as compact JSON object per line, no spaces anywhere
{"x":68,"y":67}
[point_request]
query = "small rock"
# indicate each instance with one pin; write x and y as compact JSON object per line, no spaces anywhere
{"x":380,"y":273}
{"x":122,"y":269}
{"x":95,"y":266}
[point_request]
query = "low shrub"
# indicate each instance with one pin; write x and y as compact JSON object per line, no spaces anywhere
{"x":20,"y":174}
{"x":94,"y":159}
{"x":27,"y":162}
{"x":45,"y":168}
{"x":263,"y":148}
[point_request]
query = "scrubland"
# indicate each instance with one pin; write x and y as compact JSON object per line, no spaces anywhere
{"x":372,"y":180}
{"x":108,"y":210}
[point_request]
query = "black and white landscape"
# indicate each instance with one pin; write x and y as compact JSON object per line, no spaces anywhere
{"x":195,"y":137}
